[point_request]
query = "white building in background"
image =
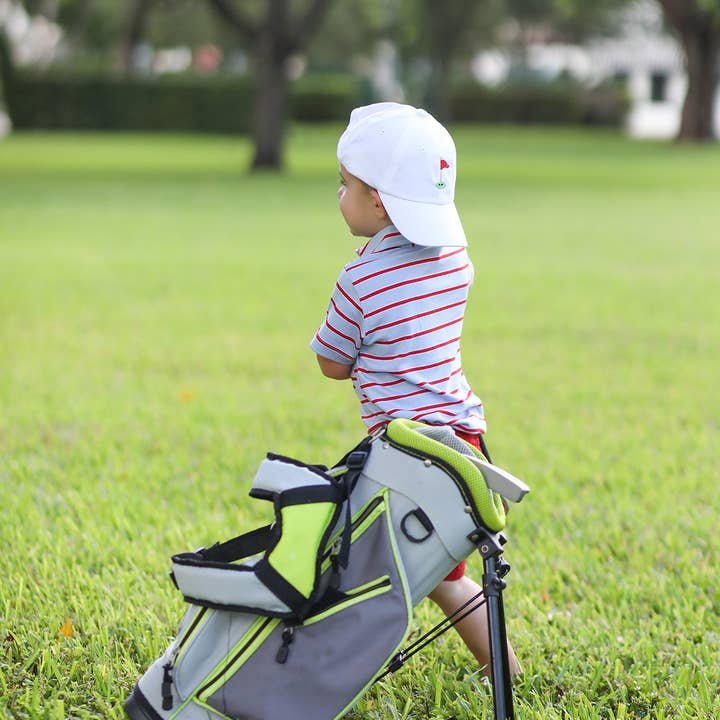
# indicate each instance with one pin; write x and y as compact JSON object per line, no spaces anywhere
{"x":644,"y":55}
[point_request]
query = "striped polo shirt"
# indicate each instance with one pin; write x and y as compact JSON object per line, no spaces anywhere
{"x":396,"y":315}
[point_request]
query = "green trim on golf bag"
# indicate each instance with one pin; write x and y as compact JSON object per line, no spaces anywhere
{"x":297,"y":619}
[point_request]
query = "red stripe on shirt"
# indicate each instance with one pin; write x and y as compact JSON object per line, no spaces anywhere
{"x":416,"y":317}
{"x":412,"y":352}
{"x":445,"y":404}
{"x":348,"y":298}
{"x":394,"y":411}
{"x":345,"y":317}
{"x":399,"y":397}
{"x":379,"y":384}
{"x":407,"y":370}
{"x":415,"y":298}
{"x":407,"y":265}
{"x":382,"y":250}
{"x":439,"y":380}
{"x":361,"y":252}
{"x":341,"y":334}
{"x":421,"y":333}
{"x":331,"y":347}
{"x":434,"y":412}
{"x":412,"y":281}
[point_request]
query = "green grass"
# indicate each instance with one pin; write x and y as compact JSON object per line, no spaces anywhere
{"x":155,"y":308}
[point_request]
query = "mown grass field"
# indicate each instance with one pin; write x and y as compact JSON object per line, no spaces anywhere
{"x":155,"y":308}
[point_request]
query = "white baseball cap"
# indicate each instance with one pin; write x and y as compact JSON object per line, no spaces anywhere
{"x":410,"y":159}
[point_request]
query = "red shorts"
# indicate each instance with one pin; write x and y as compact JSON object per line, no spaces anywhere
{"x":474,"y":440}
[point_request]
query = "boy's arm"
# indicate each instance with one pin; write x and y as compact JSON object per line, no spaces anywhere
{"x":339,"y":338}
{"x":332,"y":369}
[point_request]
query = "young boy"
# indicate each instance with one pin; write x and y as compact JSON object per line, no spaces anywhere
{"x":395,"y":317}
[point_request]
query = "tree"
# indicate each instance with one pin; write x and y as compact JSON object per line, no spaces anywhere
{"x":133,"y":32}
{"x":273,"y":38}
{"x":448,"y":26}
{"x":6,"y":71}
{"x":697,"y":22}
{"x":440,"y":33}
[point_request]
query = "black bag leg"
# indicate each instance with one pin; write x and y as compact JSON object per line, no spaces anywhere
{"x":490,"y":548}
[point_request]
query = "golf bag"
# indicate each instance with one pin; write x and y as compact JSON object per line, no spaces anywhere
{"x":297,"y":619}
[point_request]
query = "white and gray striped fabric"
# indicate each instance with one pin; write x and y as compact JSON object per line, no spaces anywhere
{"x":396,"y":314}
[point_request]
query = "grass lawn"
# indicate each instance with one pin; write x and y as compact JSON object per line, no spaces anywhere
{"x":156,"y":303}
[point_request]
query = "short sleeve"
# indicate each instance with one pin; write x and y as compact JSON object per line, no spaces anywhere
{"x":340,"y":335}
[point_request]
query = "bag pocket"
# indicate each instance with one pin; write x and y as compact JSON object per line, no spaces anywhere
{"x":319,"y":668}
{"x":210,"y":638}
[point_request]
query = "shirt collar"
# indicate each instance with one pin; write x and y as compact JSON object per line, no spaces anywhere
{"x":385,"y":239}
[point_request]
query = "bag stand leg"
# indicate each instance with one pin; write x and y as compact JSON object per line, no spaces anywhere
{"x":494,"y":569}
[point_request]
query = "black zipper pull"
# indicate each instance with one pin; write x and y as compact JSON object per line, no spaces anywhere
{"x":166,"y":688}
{"x":284,"y":650}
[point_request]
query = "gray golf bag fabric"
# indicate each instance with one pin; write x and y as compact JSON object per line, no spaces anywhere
{"x":382,"y":531}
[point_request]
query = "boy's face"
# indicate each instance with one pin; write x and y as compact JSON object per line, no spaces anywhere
{"x":361,"y":206}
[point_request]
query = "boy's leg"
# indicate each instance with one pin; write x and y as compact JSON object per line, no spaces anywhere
{"x":449,"y":595}
{"x":457,"y":589}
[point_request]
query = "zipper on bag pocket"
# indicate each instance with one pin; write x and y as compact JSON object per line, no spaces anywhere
{"x":259,"y":632}
{"x":188,"y":634}
{"x":364,"y":592}
{"x":330,"y":555}
{"x":181,"y":644}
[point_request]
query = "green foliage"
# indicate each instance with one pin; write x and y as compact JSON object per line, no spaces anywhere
{"x":561,"y":102}
{"x":712,"y":7}
{"x":58,"y":101}
{"x":100,"y":27}
{"x":224,"y":104}
{"x":571,"y":19}
{"x":177,"y":103}
{"x":322,"y":97}
{"x":173,"y":24}
{"x":156,"y":305}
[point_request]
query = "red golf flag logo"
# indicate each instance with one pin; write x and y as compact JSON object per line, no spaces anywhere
{"x":444,"y":164}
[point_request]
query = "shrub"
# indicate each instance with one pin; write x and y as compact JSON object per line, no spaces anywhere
{"x":97,"y":102}
{"x":168,"y":103}
{"x":561,"y":102}
{"x":317,"y":98}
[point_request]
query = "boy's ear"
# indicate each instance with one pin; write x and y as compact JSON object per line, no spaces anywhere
{"x":378,"y":206}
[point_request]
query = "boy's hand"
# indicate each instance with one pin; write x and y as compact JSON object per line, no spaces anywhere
{"x":334,"y":370}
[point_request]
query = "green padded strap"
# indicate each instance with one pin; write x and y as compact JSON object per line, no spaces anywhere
{"x":487,"y":506}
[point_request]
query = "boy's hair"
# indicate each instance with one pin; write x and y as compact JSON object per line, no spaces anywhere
{"x":410,"y":159}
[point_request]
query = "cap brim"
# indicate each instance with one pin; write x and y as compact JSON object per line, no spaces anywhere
{"x":424,"y":223}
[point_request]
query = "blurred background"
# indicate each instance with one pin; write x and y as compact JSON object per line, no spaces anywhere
{"x":649,"y":67}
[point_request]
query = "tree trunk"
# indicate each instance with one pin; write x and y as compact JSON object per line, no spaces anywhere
{"x":272,"y":101}
{"x":6,"y":73}
{"x":79,"y":26}
{"x":275,"y":38}
{"x":447,"y":24}
{"x":701,"y":44}
{"x":133,"y":33}
{"x":441,"y":46}
{"x":439,"y":95}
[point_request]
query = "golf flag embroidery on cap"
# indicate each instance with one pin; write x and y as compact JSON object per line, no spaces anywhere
{"x":443,"y":164}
